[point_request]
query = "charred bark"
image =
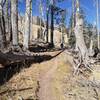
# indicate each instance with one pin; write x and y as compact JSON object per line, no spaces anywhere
{"x":52,"y":25}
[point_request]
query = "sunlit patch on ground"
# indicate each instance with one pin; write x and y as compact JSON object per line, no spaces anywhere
{"x":62,"y":71}
{"x":55,"y":74}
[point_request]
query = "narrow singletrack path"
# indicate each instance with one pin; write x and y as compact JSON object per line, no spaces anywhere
{"x":46,"y":78}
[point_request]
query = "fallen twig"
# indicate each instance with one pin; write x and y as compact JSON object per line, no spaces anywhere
{"x":23,"y":89}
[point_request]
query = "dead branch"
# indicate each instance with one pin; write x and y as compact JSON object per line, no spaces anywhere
{"x":15,"y":90}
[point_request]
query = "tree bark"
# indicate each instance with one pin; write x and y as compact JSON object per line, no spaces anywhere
{"x":91,"y":51}
{"x":80,"y":43}
{"x":31,"y":24}
{"x":27,"y":24}
{"x":79,"y":36}
{"x":2,"y":28}
{"x":7,"y":17}
{"x":52,"y":24}
{"x":10,"y":26}
{"x":14,"y":21}
{"x":47,"y":24}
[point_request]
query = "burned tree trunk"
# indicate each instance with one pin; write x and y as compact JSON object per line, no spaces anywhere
{"x":47,"y":24}
{"x":14,"y":21}
{"x":47,"y":20}
{"x":27,"y":24}
{"x":52,"y":25}
{"x":2,"y":27}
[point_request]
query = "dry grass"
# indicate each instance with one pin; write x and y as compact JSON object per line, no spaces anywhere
{"x":63,"y":85}
{"x":63,"y":70}
{"x":27,"y":78}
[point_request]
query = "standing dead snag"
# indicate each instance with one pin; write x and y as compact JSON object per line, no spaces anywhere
{"x":27,"y":24}
{"x":80,"y":43}
{"x":79,"y":36}
{"x":79,"y":32}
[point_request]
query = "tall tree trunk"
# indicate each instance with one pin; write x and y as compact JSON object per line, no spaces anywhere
{"x":73,"y":16}
{"x":2,"y":28}
{"x":79,"y":37}
{"x":31,"y":24}
{"x":6,"y":17}
{"x":27,"y":24}
{"x":47,"y":20}
{"x":97,"y":22}
{"x":10,"y":26}
{"x":47,"y":24}
{"x":83,"y":57}
{"x":79,"y":33}
{"x":52,"y":24}
{"x":14,"y":20}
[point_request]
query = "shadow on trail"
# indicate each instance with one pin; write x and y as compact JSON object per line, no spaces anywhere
{"x":15,"y":63}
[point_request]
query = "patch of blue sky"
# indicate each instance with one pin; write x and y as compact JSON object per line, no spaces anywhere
{"x":88,"y":6}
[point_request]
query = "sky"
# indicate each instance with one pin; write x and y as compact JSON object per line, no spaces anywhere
{"x":88,"y":7}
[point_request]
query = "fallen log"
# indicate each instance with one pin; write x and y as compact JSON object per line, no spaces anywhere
{"x":10,"y":58}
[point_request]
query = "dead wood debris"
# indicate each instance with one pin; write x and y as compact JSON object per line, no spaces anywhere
{"x":82,"y":66}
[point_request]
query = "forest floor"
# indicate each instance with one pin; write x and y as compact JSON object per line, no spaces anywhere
{"x":50,"y":80}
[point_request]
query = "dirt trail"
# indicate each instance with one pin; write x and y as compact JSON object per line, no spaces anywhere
{"x":46,"y":79}
{"x":50,"y":80}
{"x":45,"y":92}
